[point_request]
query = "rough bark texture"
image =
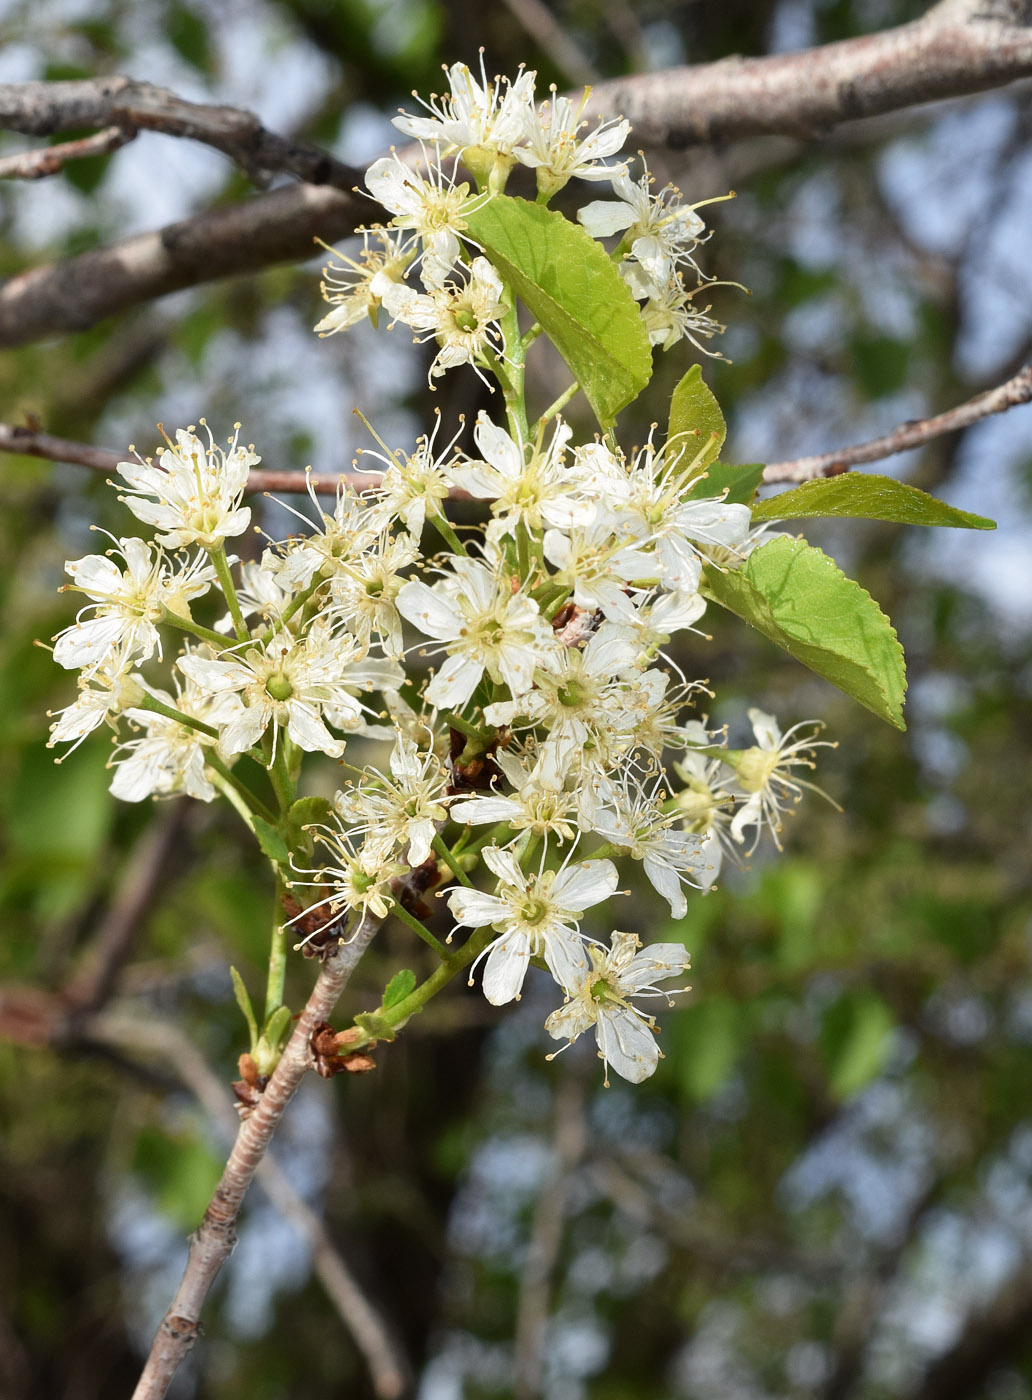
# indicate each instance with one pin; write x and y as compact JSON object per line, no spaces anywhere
{"x":953,"y":51}
{"x":43,"y":108}
{"x":960,"y":47}
{"x":213,"y":1241}
{"x":76,"y":293}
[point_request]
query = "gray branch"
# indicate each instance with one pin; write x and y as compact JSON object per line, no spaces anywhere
{"x":44,"y":108}
{"x":955,"y":50}
{"x":960,"y":47}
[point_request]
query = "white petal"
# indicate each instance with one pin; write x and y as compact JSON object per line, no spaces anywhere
{"x":626,"y":1043}
{"x":455,"y":682}
{"x":506,"y":967}
{"x":431,"y":612}
{"x":567,"y":960}
{"x":590,"y":881}
{"x":604,"y":217}
{"x":475,"y":909}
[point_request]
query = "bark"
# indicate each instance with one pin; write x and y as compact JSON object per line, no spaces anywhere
{"x":76,"y":293}
{"x":213,"y":1241}
{"x":43,"y":108}
{"x":960,"y":47}
{"x":915,"y":433}
{"x":954,"y":51}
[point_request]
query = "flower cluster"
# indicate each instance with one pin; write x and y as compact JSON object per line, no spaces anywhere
{"x":490,"y":128}
{"x":535,"y":728}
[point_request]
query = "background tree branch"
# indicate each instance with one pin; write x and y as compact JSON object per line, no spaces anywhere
{"x":43,"y":108}
{"x":957,"y":49}
{"x":954,"y":50}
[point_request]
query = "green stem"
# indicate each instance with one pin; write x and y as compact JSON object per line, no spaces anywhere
{"x":455,"y":721}
{"x":156,"y":707}
{"x":399,"y":910}
{"x":512,"y":381}
{"x":255,"y":806}
{"x":221,"y":563}
{"x":557,"y":406}
{"x":439,"y":978}
{"x":530,"y":335}
{"x":523,"y":551}
{"x":280,"y":777}
{"x":453,"y":865}
{"x":232,"y":796}
{"x":204,"y":634}
{"x":277,"y":953}
{"x":288,"y":612}
{"x":444,"y":529}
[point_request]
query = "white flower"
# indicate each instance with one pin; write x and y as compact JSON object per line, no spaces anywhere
{"x":536,"y":492}
{"x":260,"y":591}
{"x":484,"y":121}
{"x":484,"y":627}
{"x":603,"y":999}
{"x":364,"y":594}
{"x":597,"y":567}
{"x":634,"y":820}
{"x":705,"y":802}
{"x":671,"y":316}
{"x":583,"y":698}
{"x":335,"y":542}
{"x":170,"y":757}
{"x":127,"y":604}
{"x":658,"y":229}
{"x":554,"y":150}
{"x":415,"y":483}
{"x":536,"y":916}
{"x":461,"y":315}
{"x":646,"y":497}
{"x":434,"y":208}
{"x":193,"y":495}
{"x":356,"y":289}
{"x":538,"y":802}
{"x":404,"y":810}
{"x":359,"y":879}
{"x":103,"y":695}
{"x":288,"y":682}
{"x":764,"y":773}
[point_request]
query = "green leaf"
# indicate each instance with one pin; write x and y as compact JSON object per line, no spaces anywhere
{"x":271,"y":842}
{"x":243,"y":1000}
{"x":277,"y":1026}
{"x":695,"y":416}
{"x":306,"y":811}
{"x":798,"y":597}
{"x":740,"y":482}
{"x":867,"y":498}
{"x":567,"y":281}
{"x":375,"y":1026}
{"x":398,"y":988}
{"x":855,"y":1041}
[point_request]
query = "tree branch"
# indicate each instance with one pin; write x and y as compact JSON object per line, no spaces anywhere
{"x":31,"y":443}
{"x":36,"y":165}
{"x":915,"y":433}
{"x":213,"y":1241}
{"x":960,"y":47}
{"x":955,"y":50}
{"x":42,"y":108}
{"x":387,"y":1366}
{"x":77,"y":292}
